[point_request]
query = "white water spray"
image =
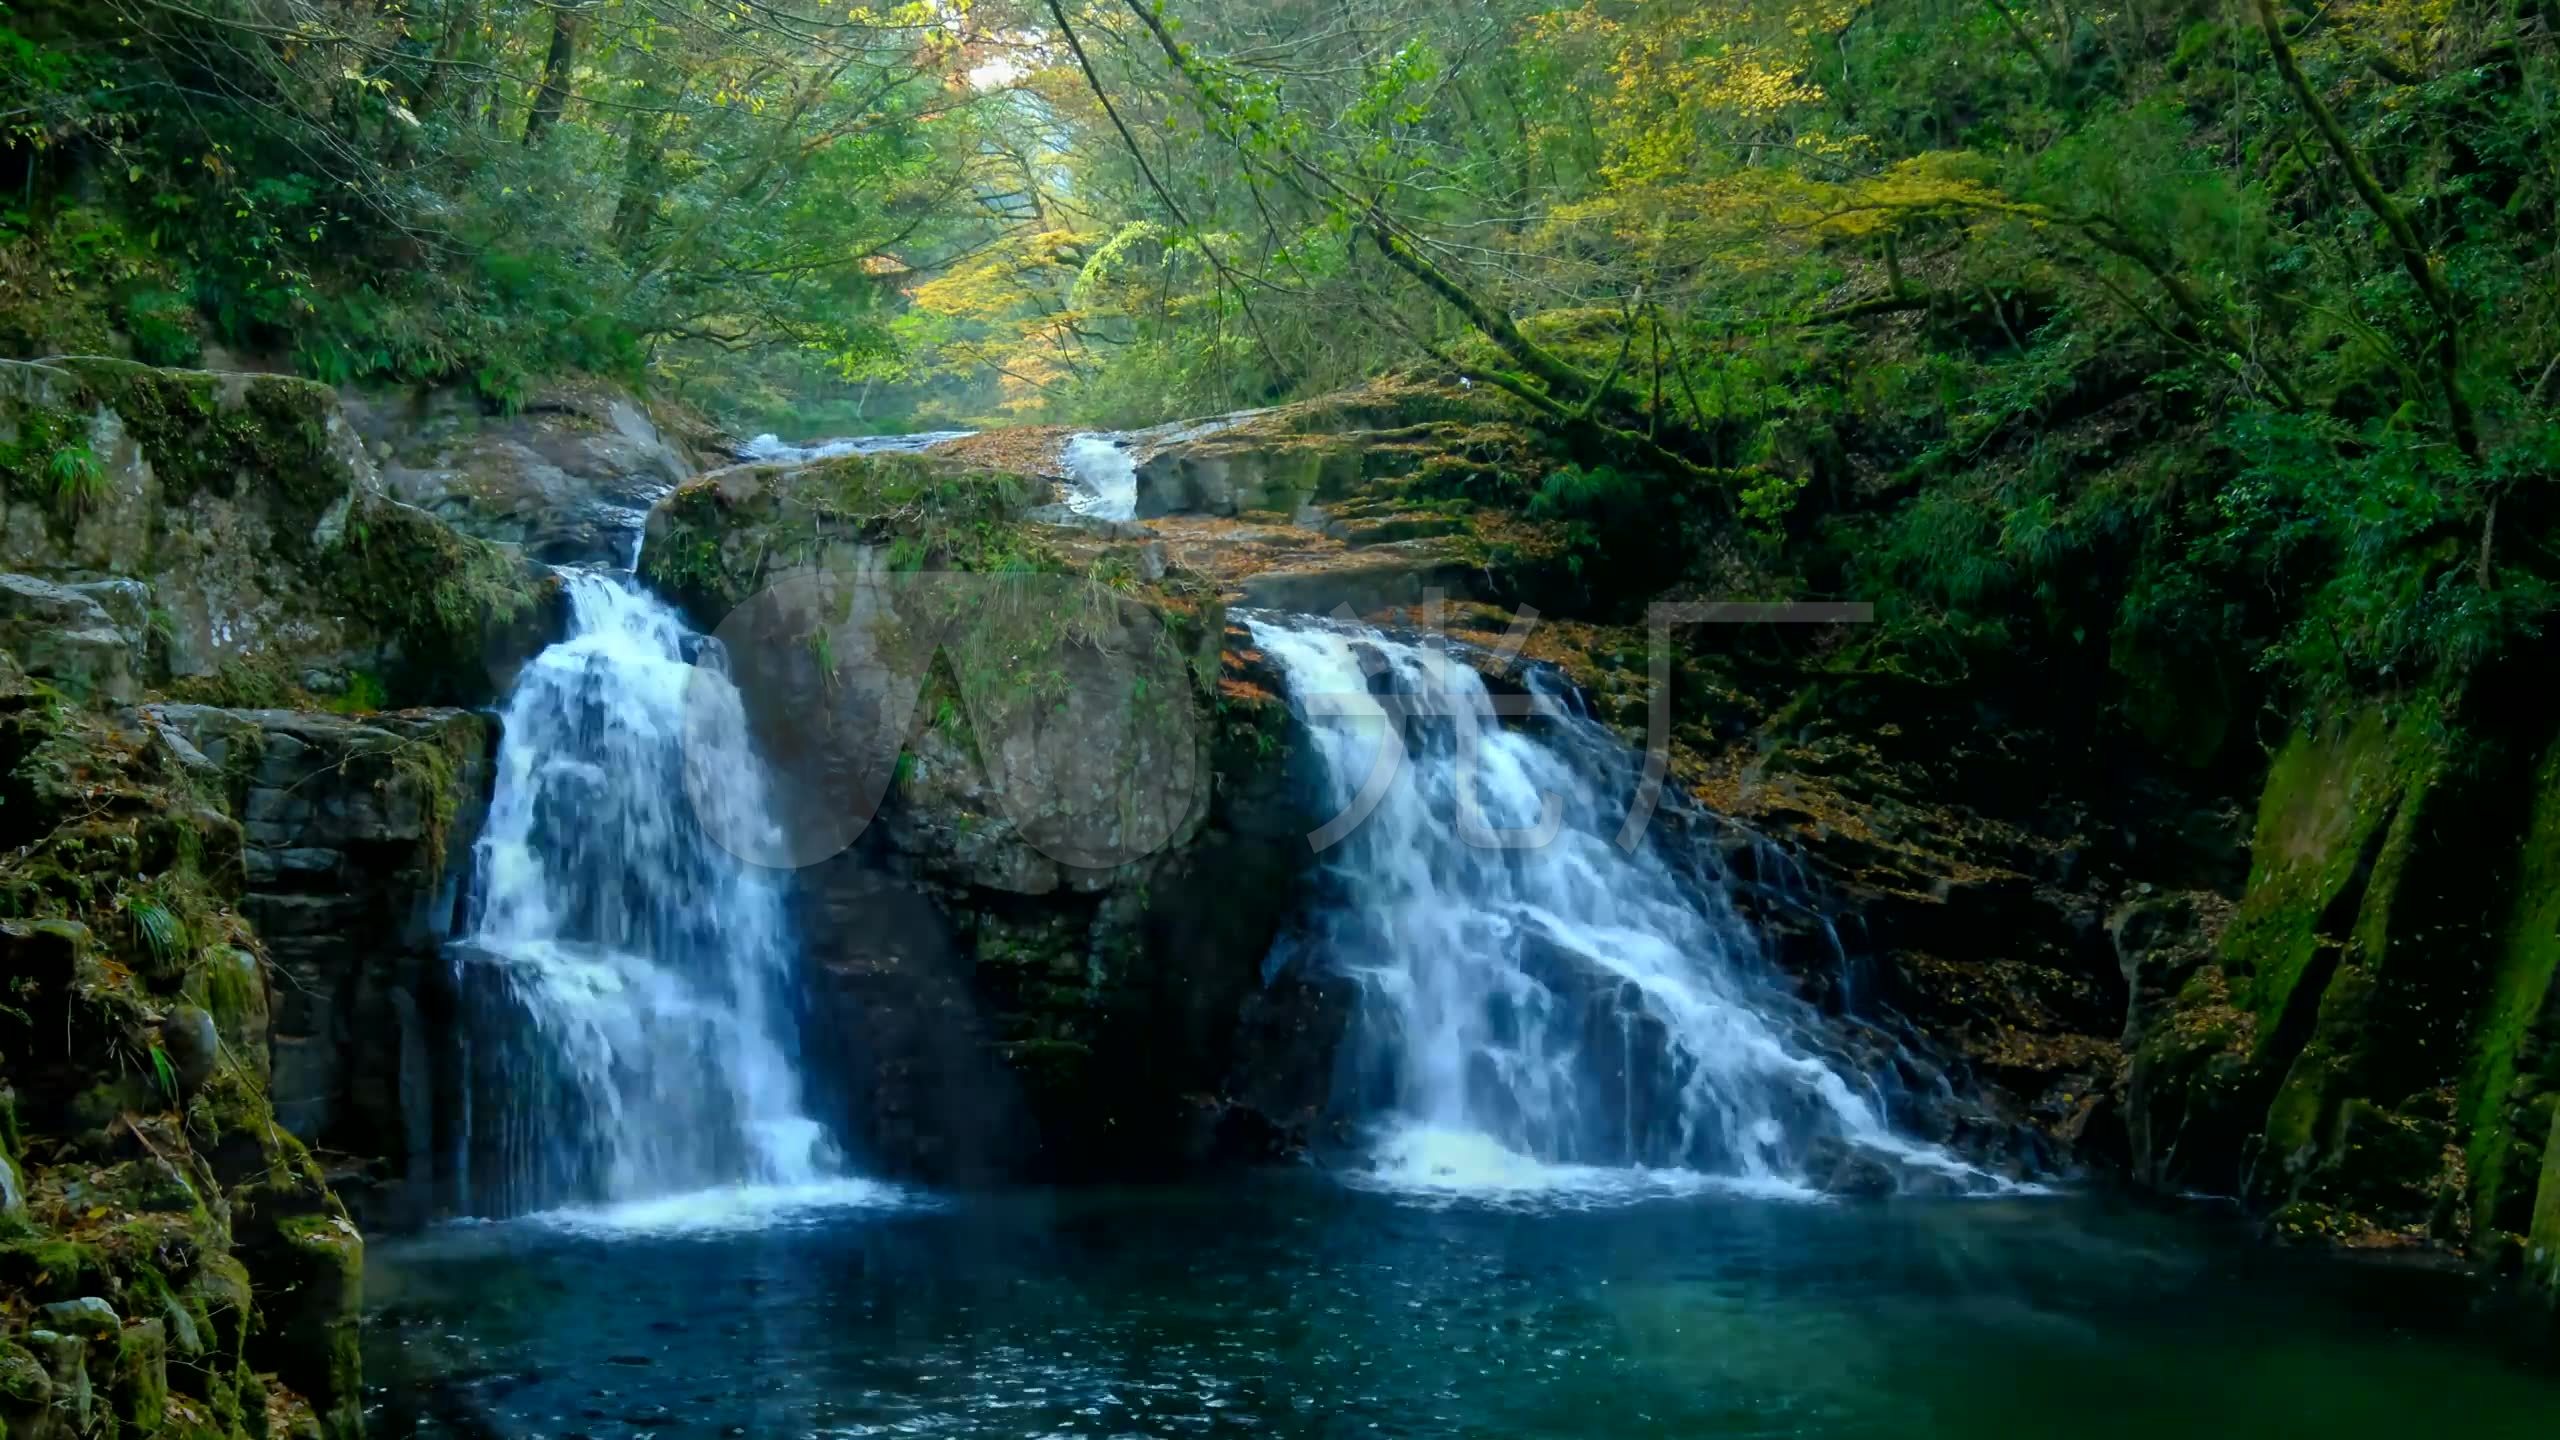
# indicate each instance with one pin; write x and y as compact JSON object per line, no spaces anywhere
{"x":1543,"y":1010}
{"x":647,"y":970}
{"x":1102,"y":477}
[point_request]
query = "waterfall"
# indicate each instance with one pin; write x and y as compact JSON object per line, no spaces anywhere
{"x":1102,"y":477}
{"x":1542,"y":1008}
{"x":628,"y":982}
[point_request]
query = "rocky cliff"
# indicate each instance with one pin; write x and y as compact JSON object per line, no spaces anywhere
{"x":217,"y":925}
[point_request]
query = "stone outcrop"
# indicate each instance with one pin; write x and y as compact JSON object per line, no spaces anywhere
{"x":1364,"y":502}
{"x":570,"y":477}
{"x":274,"y":562}
{"x":219,"y":925}
{"x":2368,"y":1051}
{"x":355,"y":837}
{"x":1032,"y":937}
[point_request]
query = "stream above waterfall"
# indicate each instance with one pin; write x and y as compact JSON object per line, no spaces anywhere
{"x":1289,"y":1305}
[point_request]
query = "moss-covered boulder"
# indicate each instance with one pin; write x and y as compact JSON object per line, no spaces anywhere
{"x":1036,"y":843}
{"x":274,"y":561}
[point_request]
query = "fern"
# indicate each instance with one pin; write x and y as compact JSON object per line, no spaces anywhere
{"x":163,"y":934}
{"x":78,"y":479}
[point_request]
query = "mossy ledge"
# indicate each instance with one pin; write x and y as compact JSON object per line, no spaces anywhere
{"x":278,"y":567}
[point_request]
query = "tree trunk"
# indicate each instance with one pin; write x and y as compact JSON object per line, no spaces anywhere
{"x":643,"y":170}
{"x":553,"y":97}
{"x":455,"y":47}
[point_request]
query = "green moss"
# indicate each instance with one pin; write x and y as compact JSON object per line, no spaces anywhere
{"x":2325,"y":795}
{"x":220,"y":1294}
{"x":928,"y":513}
{"x":319,"y":1264}
{"x":48,"y":1268}
{"x":2321,"y":1074}
{"x":49,"y":445}
{"x":253,"y":1404}
{"x":2519,"y":985}
{"x":245,"y":682}
{"x":141,"y":1385}
{"x":438,"y":595}
{"x":429,"y":770}
{"x":231,"y":987}
{"x":207,"y":433}
{"x":25,"y":1387}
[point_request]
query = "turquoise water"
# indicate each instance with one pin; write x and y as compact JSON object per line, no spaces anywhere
{"x":1294,"y":1306}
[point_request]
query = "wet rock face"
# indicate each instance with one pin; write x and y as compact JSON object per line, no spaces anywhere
{"x":355,"y":841}
{"x":570,"y":477}
{"x":989,"y":1010}
{"x":1111,"y":1024}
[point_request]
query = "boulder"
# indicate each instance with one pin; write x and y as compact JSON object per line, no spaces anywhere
{"x":88,"y":1317}
{"x":65,"y":635}
{"x":570,"y":476}
{"x":193,"y":1044}
{"x":234,"y":524}
{"x":1042,"y":846}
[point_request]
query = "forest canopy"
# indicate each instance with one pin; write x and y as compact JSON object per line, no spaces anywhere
{"x":2183,"y":335}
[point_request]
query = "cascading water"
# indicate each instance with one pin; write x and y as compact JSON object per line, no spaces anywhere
{"x":773,"y":448}
{"x":1543,"y":1009}
{"x":1102,"y":477}
{"x":628,"y":981}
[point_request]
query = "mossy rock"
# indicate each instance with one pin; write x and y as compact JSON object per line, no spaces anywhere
{"x":139,"y":1388}
{"x":725,"y":537}
{"x":248,"y":505}
{"x":25,"y":1387}
{"x":311,"y":1279}
{"x":220,"y":1295}
{"x":44,"y":1269}
{"x":2328,"y":799}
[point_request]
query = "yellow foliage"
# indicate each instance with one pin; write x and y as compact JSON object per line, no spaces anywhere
{"x":1692,"y":87}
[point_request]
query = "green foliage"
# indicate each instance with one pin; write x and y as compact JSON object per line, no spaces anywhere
{"x":163,"y":935}
{"x":77,"y":478}
{"x":365,"y":694}
{"x":373,"y":194}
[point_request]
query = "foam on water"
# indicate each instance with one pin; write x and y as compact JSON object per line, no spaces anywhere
{"x":728,"y":1209}
{"x":1436,"y":1165}
{"x":1102,"y":477}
